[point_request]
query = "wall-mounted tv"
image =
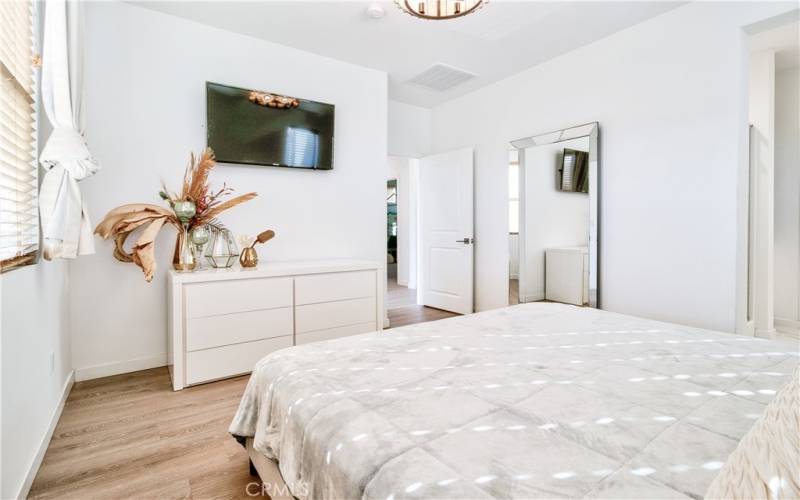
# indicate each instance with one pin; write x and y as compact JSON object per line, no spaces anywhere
{"x":261,"y":128}
{"x":574,"y":171}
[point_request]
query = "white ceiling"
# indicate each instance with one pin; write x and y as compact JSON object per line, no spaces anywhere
{"x":500,"y":39}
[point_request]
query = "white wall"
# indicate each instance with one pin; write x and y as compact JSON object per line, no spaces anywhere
{"x":35,"y":326}
{"x":670,"y":97}
{"x":145,"y":74}
{"x":552,"y":218}
{"x":35,"y":362}
{"x":409,"y":130}
{"x":787,"y":197}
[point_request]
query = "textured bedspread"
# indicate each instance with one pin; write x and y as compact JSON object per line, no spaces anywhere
{"x":531,"y":401}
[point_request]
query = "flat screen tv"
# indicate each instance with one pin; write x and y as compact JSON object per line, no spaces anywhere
{"x":261,"y":128}
{"x":574,"y":171}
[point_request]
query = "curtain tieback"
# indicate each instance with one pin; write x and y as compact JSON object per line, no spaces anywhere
{"x":68,"y":148}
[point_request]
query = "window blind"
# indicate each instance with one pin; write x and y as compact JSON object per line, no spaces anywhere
{"x":302,"y":148}
{"x":19,"y":219}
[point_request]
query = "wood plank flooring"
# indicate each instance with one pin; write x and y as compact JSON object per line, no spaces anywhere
{"x":402,"y":308}
{"x":131,"y":436}
{"x":410,"y":315}
{"x":513,"y":292}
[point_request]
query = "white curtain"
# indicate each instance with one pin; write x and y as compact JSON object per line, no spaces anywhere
{"x":66,"y":229}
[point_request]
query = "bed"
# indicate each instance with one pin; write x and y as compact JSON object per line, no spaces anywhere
{"x":531,"y":401}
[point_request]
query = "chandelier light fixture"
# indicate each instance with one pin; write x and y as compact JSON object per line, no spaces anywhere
{"x":440,"y":9}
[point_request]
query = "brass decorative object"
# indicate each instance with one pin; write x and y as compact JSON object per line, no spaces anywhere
{"x":249,"y":257}
{"x":439,"y":9}
{"x":183,"y":258}
{"x":273,"y":100}
{"x":196,"y":206}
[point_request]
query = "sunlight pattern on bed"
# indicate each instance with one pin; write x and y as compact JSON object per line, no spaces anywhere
{"x":536,"y":400}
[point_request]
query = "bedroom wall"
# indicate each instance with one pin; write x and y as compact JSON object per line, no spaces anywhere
{"x":552,"y":218}
{"x":409,"y":130}
{"x":145,"y":108}
{"x":36,"y":366}
{"x":35,"y":361}
{"x":670,"y":96}
{"x":787,"y":199}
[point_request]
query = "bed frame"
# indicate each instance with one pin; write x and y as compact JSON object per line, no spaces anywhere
{"x":267,"y":469}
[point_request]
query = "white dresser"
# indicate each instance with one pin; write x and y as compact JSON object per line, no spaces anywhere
{"x":567,"y":275}
{"x":222,"y":321}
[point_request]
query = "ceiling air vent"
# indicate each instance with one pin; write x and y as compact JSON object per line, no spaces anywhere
{"x":441,"y":77}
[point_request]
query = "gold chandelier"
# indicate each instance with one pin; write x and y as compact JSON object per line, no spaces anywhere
{"x":440,"y":9}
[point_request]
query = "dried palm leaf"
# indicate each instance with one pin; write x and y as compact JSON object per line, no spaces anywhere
{"x":144,"y":250}
{"x":119,"y":248}
{"x":109,"y":225}
{"x":199,"y":185}
{"x":187,"y":177}
{"x":218,"y":209}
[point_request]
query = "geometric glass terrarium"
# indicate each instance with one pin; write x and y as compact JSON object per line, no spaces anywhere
{"x":221,"y":250}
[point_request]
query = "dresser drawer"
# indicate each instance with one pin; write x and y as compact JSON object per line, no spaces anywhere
{"x":210,"y":299}
{"x":230,"y":360}
{"x":312,"y":317}
{"x":331,"y":287}
{"x":335,"y":333}
{"x":215,"y":331}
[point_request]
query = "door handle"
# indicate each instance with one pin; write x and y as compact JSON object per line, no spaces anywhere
{"x":466,"y":241}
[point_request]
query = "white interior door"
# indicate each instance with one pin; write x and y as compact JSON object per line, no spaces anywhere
{"x":446,"y":230}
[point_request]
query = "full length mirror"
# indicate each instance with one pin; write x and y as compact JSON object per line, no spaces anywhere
{"x":553,"y":217}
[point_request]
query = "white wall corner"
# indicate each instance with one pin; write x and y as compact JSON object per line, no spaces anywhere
{"x":33,"y":468}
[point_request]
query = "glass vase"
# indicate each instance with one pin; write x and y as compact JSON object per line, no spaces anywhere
{"x":199,"y":238}
{"x":183,"y":259}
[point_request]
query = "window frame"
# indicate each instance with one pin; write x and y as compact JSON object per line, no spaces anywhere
{"x":32,"y":256}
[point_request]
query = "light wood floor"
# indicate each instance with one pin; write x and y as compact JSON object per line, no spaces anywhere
{"x":410,"y":315}
{"x":402,"y":308}
{"x":131,"y":436}
{"x":513,"y":292}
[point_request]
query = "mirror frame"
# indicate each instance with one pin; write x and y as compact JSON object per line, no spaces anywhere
{"x":591,"y":130}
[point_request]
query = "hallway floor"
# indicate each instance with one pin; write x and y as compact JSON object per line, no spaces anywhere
{"x":401,"y":303}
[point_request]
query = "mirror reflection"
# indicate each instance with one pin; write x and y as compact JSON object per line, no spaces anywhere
{"x":552,"y":217}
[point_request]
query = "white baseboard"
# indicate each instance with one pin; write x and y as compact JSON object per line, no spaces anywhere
{"x":118,"y":367}
{"x":534,"y":297}
{"x":402,"y":282}
{"x":513,"y":276}
{"x":766,"y":334}
{"x":788,"y":326}
{"x":33,"y":468}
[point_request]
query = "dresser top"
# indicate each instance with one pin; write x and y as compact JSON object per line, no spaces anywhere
{"x":271,"y":269}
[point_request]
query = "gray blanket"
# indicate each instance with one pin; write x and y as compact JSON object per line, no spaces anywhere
{"x":530,"y":401}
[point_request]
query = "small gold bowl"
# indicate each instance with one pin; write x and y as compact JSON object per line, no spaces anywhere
{"x":249,"y":257}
